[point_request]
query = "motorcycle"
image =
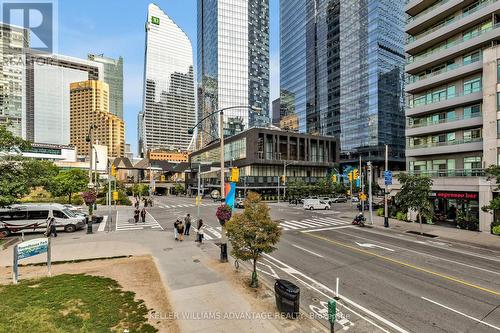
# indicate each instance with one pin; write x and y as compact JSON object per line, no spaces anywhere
{"x":359,"y":220}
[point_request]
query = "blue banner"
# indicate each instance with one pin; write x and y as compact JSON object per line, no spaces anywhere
{"x":231,"y":195}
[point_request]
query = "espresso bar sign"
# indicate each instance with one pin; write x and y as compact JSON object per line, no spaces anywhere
{"x":457,"y":195}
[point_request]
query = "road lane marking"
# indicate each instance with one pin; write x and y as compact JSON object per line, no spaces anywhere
{"x":417,"y":252}
{"x":102,"y":225}
{"x":309,"y":251}
{"x":461,"y":313}
{"x":289,"y":226}
{"x":444,"y":276}
{"x":330,"y":228}
{"x":154,"y":220}
{"x":291,"y":271}
{"x":373,"y":246}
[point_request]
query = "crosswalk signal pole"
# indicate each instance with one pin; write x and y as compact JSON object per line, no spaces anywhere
{"x":199,"y":195}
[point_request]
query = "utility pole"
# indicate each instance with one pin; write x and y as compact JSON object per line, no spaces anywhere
{"x":198,"y":199}
{"x":221,"y":134}
{"x":370,"y":198}
{"x":386,"y":211}
{"x":361,"y":188}
{"x":110,"y":218}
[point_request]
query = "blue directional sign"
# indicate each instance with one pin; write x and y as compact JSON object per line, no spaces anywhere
{"x":388,"y":177}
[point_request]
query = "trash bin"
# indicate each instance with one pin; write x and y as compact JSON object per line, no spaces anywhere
{"x":287,"y":298}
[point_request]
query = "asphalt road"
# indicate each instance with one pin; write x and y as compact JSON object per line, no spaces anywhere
{"x":388,"y":281}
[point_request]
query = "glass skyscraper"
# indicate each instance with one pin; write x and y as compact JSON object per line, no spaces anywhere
{"x":169,"y":93}
{"x":342,"y":72}
{"x":233,"y":63}
{"x":113,"y":76}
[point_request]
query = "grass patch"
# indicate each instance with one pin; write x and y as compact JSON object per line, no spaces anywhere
{"x":71,"y":303}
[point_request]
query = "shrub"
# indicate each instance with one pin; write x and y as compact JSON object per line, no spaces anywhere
{"x":380,"y":212}
{"x":496,"y":230}
{"x":401,"y":216}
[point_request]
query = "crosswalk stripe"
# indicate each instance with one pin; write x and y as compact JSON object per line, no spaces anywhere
{"x":289,"y":226}
{"x":316,"y":221}
{"x":298,"y":224}
{"x":214,"y":232}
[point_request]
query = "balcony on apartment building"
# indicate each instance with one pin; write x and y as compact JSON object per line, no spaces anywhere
{"x":467,"y":43}
{"x":449,"y":26}
{"x":447,"y":147}
{"x":429,"y":126}
{"x":449,"y":173}
{"x":449,"y":101}
{"x":444,"y":73}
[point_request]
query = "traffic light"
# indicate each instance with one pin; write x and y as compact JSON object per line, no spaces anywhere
{"x":283,"y":179}
{"x":113,"y":170}
{"x":355,"y":174}
{"x":235,"y":174}
{"x":349,"y":175}
{"x":334,"y":178}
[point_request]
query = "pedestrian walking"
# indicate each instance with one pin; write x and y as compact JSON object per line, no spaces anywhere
{"x":180,"y":230}
{"x":51,"y":227}
{"x":187,"y":222}
{"x":136,"y":214}
{"x":200,"y":231}
{"x":143,"y":215}
{"x":145,"y":201}
{"x":150,"y":202}
{"x":176,"y":228}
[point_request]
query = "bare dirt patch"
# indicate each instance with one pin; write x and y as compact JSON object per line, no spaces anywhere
{"x":136,"y":274}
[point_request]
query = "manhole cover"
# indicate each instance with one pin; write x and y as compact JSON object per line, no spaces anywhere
{"x":196,"y":260}
{"x":314,"y":299}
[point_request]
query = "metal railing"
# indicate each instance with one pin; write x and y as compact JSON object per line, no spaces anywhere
{"x":447,"y":143}
{"x":414,"y":78}
{"x":412,"y":59}
{"x":434,"y":6}
{"x":426,"y":102}
{"x":453,"y":20}
{"x":449,"y":173}
{"x":443,"y":121}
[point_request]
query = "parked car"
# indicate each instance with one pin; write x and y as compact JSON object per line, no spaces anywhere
{"x":375,"y":205}
{"x":315,"y":204}
{"x":33,"y":217}
{"x":239,"y":203}
{"x":354,"y":199}
{"x":340,"y":198}
{"x":97,"y":218}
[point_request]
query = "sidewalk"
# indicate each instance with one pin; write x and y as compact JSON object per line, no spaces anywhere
{"x":193,"y":286}
{"x":474,"y":238}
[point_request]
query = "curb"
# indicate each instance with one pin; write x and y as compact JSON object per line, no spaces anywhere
{"x":10,"y":242}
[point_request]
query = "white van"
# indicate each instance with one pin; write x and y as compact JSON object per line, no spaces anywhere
{"x":33,"y":217}
{"x":315,"y":204}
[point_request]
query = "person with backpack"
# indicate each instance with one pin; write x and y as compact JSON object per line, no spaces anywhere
{"x":143,"y":215}
{"x":180,"y":230}
{"x":187,"y":222}
{"x":176,"y":228}
{"x":136,"y":214}
{"x":200,"y":231}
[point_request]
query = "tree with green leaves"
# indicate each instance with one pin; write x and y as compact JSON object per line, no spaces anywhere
{"x":68,"y":182}
{"x":252,"y":233}
{"x":493,"y":172}
{"x":414,"y":195}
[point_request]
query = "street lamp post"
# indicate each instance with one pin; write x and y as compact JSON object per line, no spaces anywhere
{"x":284,"y":177}
{"x":223,"y":247}
{"x":90,"y":140}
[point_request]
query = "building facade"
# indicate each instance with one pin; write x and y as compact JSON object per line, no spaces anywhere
{"x":233,"y":64}
{"x":263,"y":155}
{"x":46,"y":111}
{"x":342,"y":73}
{"x":89,"y":104}
{"x":113,"y":76}
{"x":169,"y":95}
{"x":13,"y":42}
{"x":453,"y":101}
{"x":171,"y":156}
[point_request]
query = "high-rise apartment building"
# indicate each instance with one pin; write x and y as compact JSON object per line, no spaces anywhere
{"x":342,"y":73}
{"x":169,"y":97}
{"x":113,"y":76}
{"x":13,"y":42}
{"x":89,"y":103}
{"x":233,"y":64}
{"x":46,"y":111}
{"x":453,"y":99}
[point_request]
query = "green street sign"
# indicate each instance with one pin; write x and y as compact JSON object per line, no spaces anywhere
{"x":332,"y":311}
{"x":155,"y":20}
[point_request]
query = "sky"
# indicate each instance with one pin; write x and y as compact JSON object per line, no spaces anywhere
{"x":116,"y":28}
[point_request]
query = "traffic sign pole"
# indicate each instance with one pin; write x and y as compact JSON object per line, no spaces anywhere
{"x":332,"y":313}
{"x":386,"y":211}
